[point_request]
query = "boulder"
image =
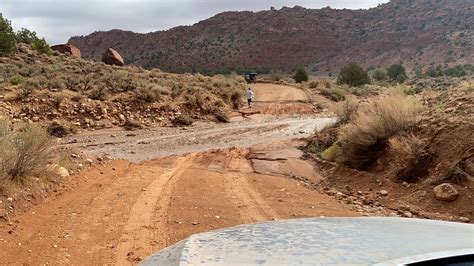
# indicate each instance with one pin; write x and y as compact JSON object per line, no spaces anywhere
{"x":112,"y":57}
{"x":445,"y":192}
{"x":67,"y":49}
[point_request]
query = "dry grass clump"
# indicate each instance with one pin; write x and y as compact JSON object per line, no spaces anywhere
{"x":183,"y":120}
{"x":369,"y":131}
{"x":221,"y":115}
{"x":132,"y":124}
{"x":346,"y":109}
{"x":24,"y":153}
{"x":416,"y":157}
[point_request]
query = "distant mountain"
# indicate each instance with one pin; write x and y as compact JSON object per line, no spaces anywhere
{"x":424,"y":32}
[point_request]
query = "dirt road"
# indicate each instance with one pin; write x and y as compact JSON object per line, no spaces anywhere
{"x":120,"y":212}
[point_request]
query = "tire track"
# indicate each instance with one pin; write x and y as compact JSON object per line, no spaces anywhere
{"x":136,"y":237}
{"x":252,"y":207}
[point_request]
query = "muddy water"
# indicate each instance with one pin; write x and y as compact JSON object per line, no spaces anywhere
{"x":152,"y":143}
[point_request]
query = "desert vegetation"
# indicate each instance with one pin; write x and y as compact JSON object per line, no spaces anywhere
{"x":26,"y":152}
{"x":109,"y":94}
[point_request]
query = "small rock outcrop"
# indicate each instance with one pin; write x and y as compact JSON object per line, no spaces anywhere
{"x":67,"y":49}
{"x":445,"y":192}
{"x":112,"y":57}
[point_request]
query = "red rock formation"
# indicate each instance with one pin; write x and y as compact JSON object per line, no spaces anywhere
{"x":67,"y":49}
{"x":112,"y":57}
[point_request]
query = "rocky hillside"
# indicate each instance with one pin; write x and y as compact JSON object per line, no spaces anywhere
{"x":82,"y":94}
{"x":427,"y":32}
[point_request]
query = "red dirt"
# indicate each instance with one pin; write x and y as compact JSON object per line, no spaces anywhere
{"x":120,"y":216}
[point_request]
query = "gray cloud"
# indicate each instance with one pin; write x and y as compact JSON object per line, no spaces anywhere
{"x":57,"y":20}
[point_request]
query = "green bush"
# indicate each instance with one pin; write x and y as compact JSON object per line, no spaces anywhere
{"x":7,"y":37}
{"x":16,"y":80}
{"x":332,"y":153}
{"x":379,"y":74}
{"x":401,"y":78}
{"x":41,"y":46}
{"x":396,"y":71}
{"x":300,"y":75}
{"x":354,"y":75}
{"x":335,"y":94}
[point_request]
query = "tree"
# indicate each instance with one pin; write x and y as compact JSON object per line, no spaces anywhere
{"x":379,"y":74}
{"x":7,"y":37}
{"x":41,"y":46}
{"x":26,"y":36}
{"x":354,"y":75}
{"x":395,"y":70}
{"x":300,"y":75}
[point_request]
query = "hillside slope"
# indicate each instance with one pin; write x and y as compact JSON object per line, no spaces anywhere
{"x":425,"y":32}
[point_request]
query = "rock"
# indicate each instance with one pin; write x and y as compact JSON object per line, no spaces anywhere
{"x":10,"y":199}
{"x":67,"y":49}
{"x":445,"y":192}
{"x":339,"y":195}
{"x":195,"y":223}
{"x":112,"y":57}
{"x":407,"y":214}
{"x":383,"y":192}
{"x":464,"y":219}
{"x":63,"y":172}
{"x":89,"y":160}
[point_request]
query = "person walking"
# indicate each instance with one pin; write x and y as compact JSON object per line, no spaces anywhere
{"x":249,"y":95}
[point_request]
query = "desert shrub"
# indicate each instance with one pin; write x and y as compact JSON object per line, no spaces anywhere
{"x":97,"y":93}
{"x":131,"y":124}
{"x":7,"y":37}
{"x":322,"y":140}
{"x":275,"y":75}
{"x":369,"y":131}
{"x":56,"y":83}
{"x":57,"y":129}
{"x":300,"y":75}
{"x":149,"y":94}
{"x":414,"y":157}
{"x":16,"y":79}
{"x":346,"y":109}
{"x":119,"y":81}
{"x":396,"y":72}
{"x":183,"y":120}
{"x":236,"y":99}
{"x":221,"y":115}
{"x":24,"y":153}
{"x":332,"y":153}
{"x":401,"y":78}
{"x":379,"y":74}
{"x":313,"y":84}
{"x":335,"y":94}
{"x":354,"y":75}
{"x":409,"y":90}
{"x":366,"y":90}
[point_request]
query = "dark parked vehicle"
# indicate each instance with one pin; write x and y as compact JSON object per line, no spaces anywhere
{"x":251,"y":77}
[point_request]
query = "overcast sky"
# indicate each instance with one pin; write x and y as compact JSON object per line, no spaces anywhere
{"x":57,"y":20}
